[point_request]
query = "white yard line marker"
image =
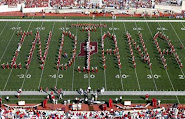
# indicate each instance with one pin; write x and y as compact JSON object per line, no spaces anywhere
{"x":59,"y":68}
{"x":165,"y":69}
{"x":3,"y":55}
{"x":17,"y":57}
{"x":135,"y":68}
{"x":176,"y":34}
{"x":8,"y":43}
{"x":105,"y":77}
{"x":27,"y":70}
{"x":26,"y":73}
{"x":150,"y":68}
{"x":137,"y":79}
{"x":3,"y":28}
{"x":74,"y":64}
{"x":46,"y":58}
{"x":57,"y":77}
{"x":181,"y":43}
{"x":119,"y":68}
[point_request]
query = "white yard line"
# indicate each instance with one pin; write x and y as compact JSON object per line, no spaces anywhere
{"x":135,"y":68}
{"x":57,"y":76}
{"x":181,"y":43}
{"x":7,"y":79}
{"x":22,"y":44}
{"x":8,"y":43}
{"x":89,"y":73}
{"x":137,"y":79}
{"x":27,"y":70}
{"x":59,"y":68}
{"x":182,"y":24}
{"x":85,"y":20}
{"x":105,"y":77}
{"x":164,"y":68}
{"x":3,"y":55}
{"x":74,"y":64}
{"x":176,"y":34}
{"x":46,"y":58}
{"x":17,"y":57}
{"x":4,"y":28}
{"x":119,"y":68}
{"x":150,"y":68}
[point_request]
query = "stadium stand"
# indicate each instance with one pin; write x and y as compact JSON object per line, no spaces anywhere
{"x":170,"y":111}
{"x":91,"y":6}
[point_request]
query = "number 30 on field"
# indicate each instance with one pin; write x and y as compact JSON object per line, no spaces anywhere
{"x":155,"y":76}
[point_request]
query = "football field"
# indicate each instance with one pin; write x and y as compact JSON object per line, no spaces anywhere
{"x":113,"y":78}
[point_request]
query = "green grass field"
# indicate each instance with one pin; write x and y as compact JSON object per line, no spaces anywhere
{"x":112,"y":78}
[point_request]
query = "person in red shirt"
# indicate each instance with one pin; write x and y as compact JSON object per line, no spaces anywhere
{"x":3,"y":66}
{"x":41,"y":89}
{"x":146,"y":97}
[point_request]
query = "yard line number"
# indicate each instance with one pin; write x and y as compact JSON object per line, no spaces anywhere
{"x":21,"y":76}
{"x":137,"y":29}
{"x":54,"y":76}
{"x":63,"y":28}
{"x":155,"y":76}
{"x":110,"y":28}
{"x":124,"y":76}
{"x":161,"y":28}
{"x":40,"y":28}
{"x":15,"y":28}
{"x":181,"y":76}
{"x":182,"y":29}
{"x":86,"y":76}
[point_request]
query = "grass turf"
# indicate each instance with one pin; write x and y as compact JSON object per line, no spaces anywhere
{"x":73,"y":80}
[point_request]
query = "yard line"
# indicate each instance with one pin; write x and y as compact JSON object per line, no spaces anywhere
{"x":89,"y":82}
{"x":181,"y":43}
{"x":17,"y":57}
{"x":183,"y":24}
{"x":9,"y":43}
{"x":105,"y":77}
{"x":119,"y":68}
{"x":164,"y":68}
{"x":74,"y":64}
{"x":3,"y":55}
{"x":22,"y":44}
{"x":179,"y":40}
{"x":45,"y":59}
{"x":59,"y":68}
{"x":4,"y":28}
{"x":176,"y":34}
{"x":135,"y":68}
{"x":150,"y":68}
{"x":27,"y":69}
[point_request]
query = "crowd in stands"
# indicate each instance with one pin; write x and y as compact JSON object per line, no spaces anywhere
{"x":117,"y":4}
{"x":171,"y":111}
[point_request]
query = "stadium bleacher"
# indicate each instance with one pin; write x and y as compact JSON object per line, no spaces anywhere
{"x":171,"y":111}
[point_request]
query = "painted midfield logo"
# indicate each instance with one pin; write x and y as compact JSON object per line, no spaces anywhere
{"x":83,"y":50}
